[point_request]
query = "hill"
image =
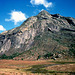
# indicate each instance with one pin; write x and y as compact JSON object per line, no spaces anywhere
{"x":40,"y":37}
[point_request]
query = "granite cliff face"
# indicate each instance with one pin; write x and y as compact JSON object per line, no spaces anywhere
{"x":40,"y":34}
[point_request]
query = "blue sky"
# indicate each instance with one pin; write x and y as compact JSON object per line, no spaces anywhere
{"x":14,"y":12}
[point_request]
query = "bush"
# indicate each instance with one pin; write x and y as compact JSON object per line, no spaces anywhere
{"x":48,"y":55}
{"x":4,"y":56}
{"x":39,"y":57}
{"x":9,"y":57}
{"x":72,"y":49}
{"x":17,"y":68}
{"x":21,"y":58}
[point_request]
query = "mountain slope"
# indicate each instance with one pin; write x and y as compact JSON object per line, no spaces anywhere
{"x":43,"y":35}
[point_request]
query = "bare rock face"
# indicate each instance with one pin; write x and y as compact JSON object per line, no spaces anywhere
{"x":45,"y":31}
{"x":6,"y":46}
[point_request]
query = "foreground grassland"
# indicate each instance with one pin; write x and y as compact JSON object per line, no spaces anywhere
{"x":40,"y":67}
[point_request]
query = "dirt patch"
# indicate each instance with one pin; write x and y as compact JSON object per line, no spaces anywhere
{"x":65,"y":68}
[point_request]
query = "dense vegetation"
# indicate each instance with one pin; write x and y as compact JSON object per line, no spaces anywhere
{"x":10,"y":57}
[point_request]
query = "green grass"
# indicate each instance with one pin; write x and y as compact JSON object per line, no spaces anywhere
{"x":57,"y":62}
{"x":41,"y":69}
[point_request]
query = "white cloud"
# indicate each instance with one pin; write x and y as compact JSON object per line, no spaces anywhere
{"x":2,"y":28}
{"x":16,"y":16}
{"x":41,"y":2}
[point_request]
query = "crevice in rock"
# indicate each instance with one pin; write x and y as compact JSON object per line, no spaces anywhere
{"x":69,"y":21}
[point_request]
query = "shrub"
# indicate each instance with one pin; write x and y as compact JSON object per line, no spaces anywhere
{"x":17,"y":68}
{"x":21,"y":58}
{"x":4,"y":56}
{"x":39,"y":57}
{"x":9,"y":57}
{"x":48,"y":55}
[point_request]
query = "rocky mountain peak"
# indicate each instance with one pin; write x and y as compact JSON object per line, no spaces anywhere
{"x":44,"y":14}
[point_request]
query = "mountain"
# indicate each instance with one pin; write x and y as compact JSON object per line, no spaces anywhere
{"x":42,"y":36}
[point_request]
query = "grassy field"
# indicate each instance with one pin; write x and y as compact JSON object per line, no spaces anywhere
{"x":40,"y":67}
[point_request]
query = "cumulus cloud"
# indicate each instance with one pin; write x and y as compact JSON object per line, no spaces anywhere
{"x":41,"y":2}
{"x":2,"y":28}
{"x":16,"y":16}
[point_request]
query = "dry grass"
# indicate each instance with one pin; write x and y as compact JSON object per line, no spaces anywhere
{"x":19,"y":67}
{"x":65,"y":68}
